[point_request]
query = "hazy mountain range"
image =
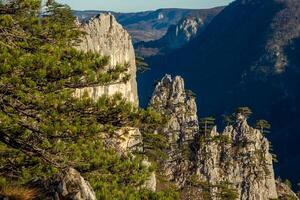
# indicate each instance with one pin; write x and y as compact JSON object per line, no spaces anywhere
{"x":152,"y":25}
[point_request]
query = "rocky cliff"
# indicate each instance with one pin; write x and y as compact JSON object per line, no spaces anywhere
{"x":285,"y":192}
{"x":171,"y":99}
{"x":234,"y":164}
{"x":68,"y":184}
{"x":104,"y":35}
{"x":247,"y":55}
{"x":239,"y":156}
{"x":187,"y":29}
{"x":177,"y":36}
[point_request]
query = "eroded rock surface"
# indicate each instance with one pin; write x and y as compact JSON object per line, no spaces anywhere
{"x":68,"y":184}
{"x":235,"y":163}
{"x":104,"y":35}
{"x":285,"y":192}
{"x":180,"y":34}
{"x":238,"y":156}
{"x":171,"y":99}
{"x":176,"y":37}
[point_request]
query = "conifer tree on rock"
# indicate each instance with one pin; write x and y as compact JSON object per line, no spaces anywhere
{"x":43,"y":127}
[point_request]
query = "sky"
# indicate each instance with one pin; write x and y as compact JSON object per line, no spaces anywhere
{"x":141,"y":5}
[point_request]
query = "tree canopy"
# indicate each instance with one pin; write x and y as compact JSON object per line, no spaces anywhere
{"x":43,"y":127}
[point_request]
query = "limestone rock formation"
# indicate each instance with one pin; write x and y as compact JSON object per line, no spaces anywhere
{"x":235,"y":163}
{"x":177,"y":36}
{"x":104,"y":35}
{"x":125,"y":141}
{"x":239,"y":156}
{"x":180,"y":34}
{"x":151,"y":183}
{"x":68,"y":184}
{"x":171,"y":99}
{"x":285,"y":192}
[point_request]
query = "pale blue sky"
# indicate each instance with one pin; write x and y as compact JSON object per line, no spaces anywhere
{"x":141,"y":5}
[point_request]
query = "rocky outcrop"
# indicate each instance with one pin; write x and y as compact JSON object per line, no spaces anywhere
{"x":151,"y":182}
{"x":171,"y":99}
{"x":239,"y":156}
{"x":285,"y":192}
{"x":104,"y":35}
{"x":126,"y":140}
{"x":237,"y":61}
{"x":177,"y":36}
{"x":68,"y":184}
{"x":235,"y":163}
{"x":180,"y":34}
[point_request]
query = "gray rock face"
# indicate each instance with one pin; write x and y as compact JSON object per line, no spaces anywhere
{"x":180,"y":34}
{"x":170,"y":98}
{"x":285,"y":192}
{"x":68,"y":184}
{"x":237,"y":160}
{"x":177,"y":36}
{"x":104,"y":35}
{"x":239,"y":156}
{"x":126,"y":140}
{"x":150,"y":184}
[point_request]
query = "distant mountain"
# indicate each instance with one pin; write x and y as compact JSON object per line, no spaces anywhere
{"x":152,"y":25}
{"x":249,"y":55}
{"x":177,"y":36}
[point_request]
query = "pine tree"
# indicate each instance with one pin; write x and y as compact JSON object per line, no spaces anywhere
{"x":263,"y":125}
{"x":191,"y":94}
{"x":228,"y":119}
{"x":206,"y":124}
{"x":142,"y":66}
{"x":245,"y":111}
{"x":43,"y":127}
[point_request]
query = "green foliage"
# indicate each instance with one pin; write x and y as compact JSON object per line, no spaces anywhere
{"x":43,"y":127}
{"x":226,"y":191}
{"x":288,"y":183}
{"x":141,"y":65}
{"x":222,"y":190}
{"x":228,"y":119}
{"x":287,"y":197}
{"x":154,"y":144}
{"x":220,"y":139}
{"x":191,"y":94}
{"x":246,"y":111}
{"x":206,"y":125}
{"x":263,"y":125}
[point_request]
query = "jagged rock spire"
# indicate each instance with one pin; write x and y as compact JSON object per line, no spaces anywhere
{"x":236,"y":161}
{"x":171,"y":99}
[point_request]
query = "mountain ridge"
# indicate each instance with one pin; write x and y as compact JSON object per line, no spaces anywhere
{"x":247,"y":56}
{"x":177,"y":36}
{"x":150,"y":25}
